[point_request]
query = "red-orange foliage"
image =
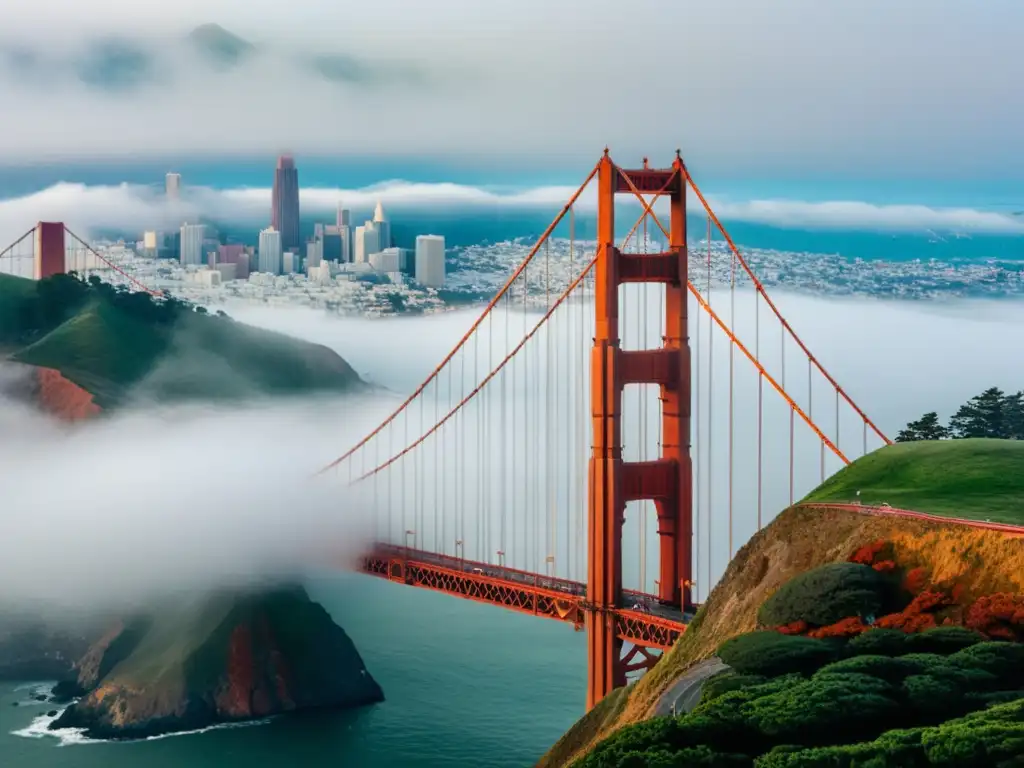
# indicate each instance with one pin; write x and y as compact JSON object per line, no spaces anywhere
{"x":850,"y":627}
{"x":866,"y":555}
{"x":999,"y":616}
{"x":885,"y":566}
{"x":915,"y":580}
{"x":907,"y":622}
{"x":795,"y":628}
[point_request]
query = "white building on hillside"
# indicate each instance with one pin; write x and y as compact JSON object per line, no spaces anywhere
{"x":270,"y":251}
{"x":430,"y":260}
{"x":192,"y":251}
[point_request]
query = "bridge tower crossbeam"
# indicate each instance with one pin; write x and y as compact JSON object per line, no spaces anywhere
{"x":667,"y":480}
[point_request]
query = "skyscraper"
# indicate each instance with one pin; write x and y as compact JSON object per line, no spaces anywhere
{"x":284,"y":211}
{"x":172,"y":185}
{"x":430,"y":260}
{"x":380,"y":221}
{"x":270,"y":251}
{"x":192,"y":236}
{"x":366,"y":241}
{"x":343,"y":216}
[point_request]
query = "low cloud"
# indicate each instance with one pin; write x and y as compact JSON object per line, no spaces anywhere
{"x":133,"y":209}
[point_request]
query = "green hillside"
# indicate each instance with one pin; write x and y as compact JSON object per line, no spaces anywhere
{"x":117,"y":345}
{"x":976,"y":478}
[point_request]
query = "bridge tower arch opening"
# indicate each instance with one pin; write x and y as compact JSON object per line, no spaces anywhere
{"x":612,"y":482}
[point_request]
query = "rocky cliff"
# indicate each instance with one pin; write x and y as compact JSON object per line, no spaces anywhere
{"x":980,"y":562}
{"x":63,"y":398}
{"x":219,"y":658}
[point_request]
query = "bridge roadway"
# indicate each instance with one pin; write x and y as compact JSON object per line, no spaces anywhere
{"x":641,"y":621}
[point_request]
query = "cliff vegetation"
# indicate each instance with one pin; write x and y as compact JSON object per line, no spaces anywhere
{"x":944,"y":574}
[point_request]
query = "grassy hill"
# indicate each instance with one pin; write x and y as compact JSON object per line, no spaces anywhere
{"x":118,"y":345}
{"x":977,"y":478}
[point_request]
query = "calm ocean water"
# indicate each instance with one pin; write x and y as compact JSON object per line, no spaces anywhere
{"x":466,"y":685}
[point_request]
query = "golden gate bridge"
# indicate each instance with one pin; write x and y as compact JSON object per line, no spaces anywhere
{"x":597,"y":459}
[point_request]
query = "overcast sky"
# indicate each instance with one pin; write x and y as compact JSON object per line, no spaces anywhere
{"x":867,"y":88}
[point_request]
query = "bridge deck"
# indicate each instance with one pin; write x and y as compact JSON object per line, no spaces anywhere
{"x":645,"y":623}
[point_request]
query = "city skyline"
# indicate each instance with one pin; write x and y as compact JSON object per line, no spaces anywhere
{"x":333,"y":248}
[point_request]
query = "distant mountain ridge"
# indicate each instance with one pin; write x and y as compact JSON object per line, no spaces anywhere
{"x":118,"y":64}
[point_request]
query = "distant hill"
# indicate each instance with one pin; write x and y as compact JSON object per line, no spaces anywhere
{"x":220,"y":46}
{"x":120,"y":64}
{"x":213,"y":658}
{"x":119,"y":346}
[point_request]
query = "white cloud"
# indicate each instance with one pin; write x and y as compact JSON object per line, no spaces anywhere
{"x":134,"y":209}
{"x":187,"y":497}
{"x":739,"y":85}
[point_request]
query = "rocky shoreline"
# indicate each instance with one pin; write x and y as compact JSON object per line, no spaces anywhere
{"x":225,"y":658}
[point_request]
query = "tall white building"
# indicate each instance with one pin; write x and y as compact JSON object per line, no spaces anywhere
{"x":172,"y":185}
{"x":430,"y":260}
{"x":270,"y":251}
{"x":365,"y":242}
{"x":314,"y":253}
{"x":192,"y":250}
{"x":383,"y":226}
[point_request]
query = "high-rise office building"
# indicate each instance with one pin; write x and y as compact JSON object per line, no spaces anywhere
{"x":333,"y":245}
{"x":192,"y":250}
{"x":380,"y":221}
{"x":343,"y":216}
{"x":365,"y":242}
{"x":270,"y":251}
{"x":172,"y":185}
{"x":430,"y":260}
{"x":314,"y":253}
{"x":284,"y":209}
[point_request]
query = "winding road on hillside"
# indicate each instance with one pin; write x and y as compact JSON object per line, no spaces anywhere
{"x":685,"y":692}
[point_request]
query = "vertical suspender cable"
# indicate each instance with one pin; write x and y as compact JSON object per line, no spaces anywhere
{"x":695,"y":404}
{"x":732,"y":351}
{"x":711,"y":413}
{"x":760,"y":409}
{"x":439,"y":512}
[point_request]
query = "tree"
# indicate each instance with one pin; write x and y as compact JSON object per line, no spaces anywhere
{"x":925,"y":428}
{"x":1013,"y":415}
{"x":982,"y":416}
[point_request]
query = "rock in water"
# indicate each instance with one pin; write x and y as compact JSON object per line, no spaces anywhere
{"x":216,"y":659}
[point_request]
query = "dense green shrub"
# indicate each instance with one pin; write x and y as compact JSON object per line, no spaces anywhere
{"x":882,"y":667}
{"x":1004,"y":660}
{"x":795,"y":702}
{"x":893,"y":749}
{"x":772,"y":653}
{"x":882,"y":642}
{"x":943,"y":640}
{"x":728,"y":681}
{"x":826,"y":594}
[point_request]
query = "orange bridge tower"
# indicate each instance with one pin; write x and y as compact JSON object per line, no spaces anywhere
{"x":667,"y":480}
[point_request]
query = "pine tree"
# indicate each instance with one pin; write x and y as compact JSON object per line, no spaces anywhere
{"x":982,"y":416}
{"x":1013,"y":416}
{"x":925,"y":428}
